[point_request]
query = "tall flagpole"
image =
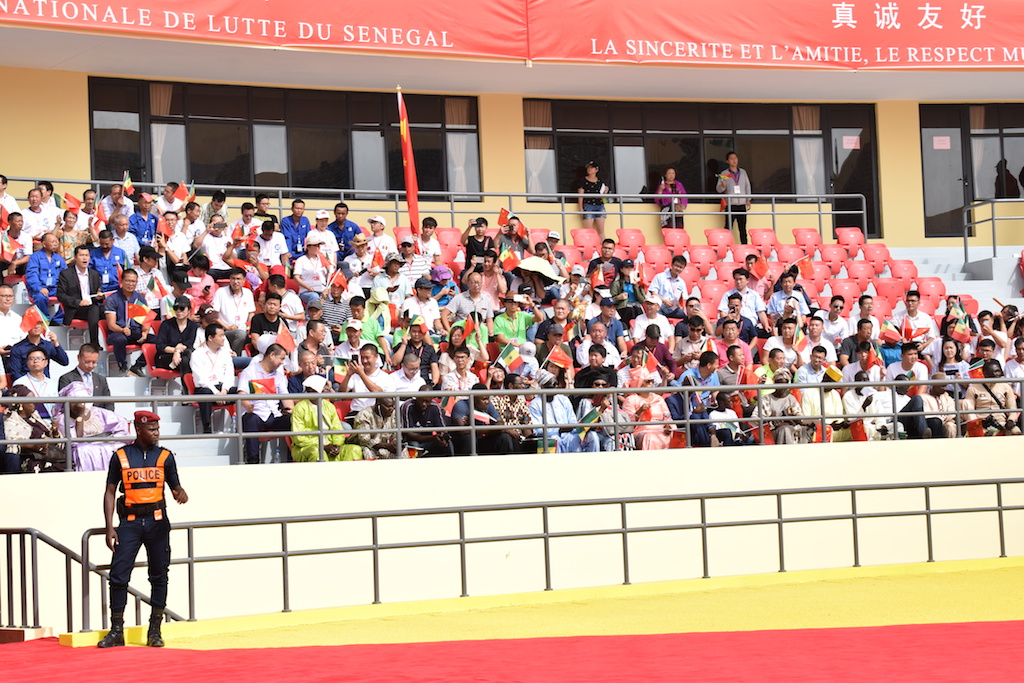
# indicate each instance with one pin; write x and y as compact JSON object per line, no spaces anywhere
{"x":412,"y":187}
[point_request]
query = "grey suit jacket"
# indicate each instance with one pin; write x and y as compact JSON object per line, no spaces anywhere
{"x":99,"y":385}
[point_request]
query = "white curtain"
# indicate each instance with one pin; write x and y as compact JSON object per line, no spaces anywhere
{"x":159,"y":105}
{"x":538,"y":151}
{"x":810,"y":163}
{"x":457,"y":145}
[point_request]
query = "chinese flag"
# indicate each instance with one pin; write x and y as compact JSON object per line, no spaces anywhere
{"x":338,"y":279}
{"x":873,"y":358}
{"x":760,"y":268}
{"x":73,"y":204}
{"x":975,"y":428}
{"x":412,"y":187}
{"x":503,"y":217}
{"x":324,"y":261}
{"x":162,"y":227}
{"x":650,"y":362}
{"x":597,"y":277}
{"x":138,"y":312}
{"x":285,"y":339}
{"x":263,"y":386}
{"x":560,"y":358}
{"x":469,"y":328}
{"x":3,"y":217}
{"x":101,"y":215}
{"x":378,"y":259}
{"x":677,"y":439}
{"x":32,"y":317}
{"x":182,"y":191}
{"x":239,"y":263}
{"x":857,"y":430}
{"x":805,"y":266}
{"x":644,"y":279}
{"x":521,"y":230}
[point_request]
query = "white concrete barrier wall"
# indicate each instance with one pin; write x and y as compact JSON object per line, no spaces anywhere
{"x":65,"y":505}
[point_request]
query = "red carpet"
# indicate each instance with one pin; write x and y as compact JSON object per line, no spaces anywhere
{"x":986,"y":651}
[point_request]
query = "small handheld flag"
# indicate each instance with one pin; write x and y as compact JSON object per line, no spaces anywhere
{"x":509,"y":260}
{"x":263,"y":386}
{"x":977,"y":369}
{"x":32,"y":317}
{"x":590,"y":418}
{"x":126,"y":183}
{"x":74,"y":205}
{"x":191,"y":196}
{"x":182,"y":191}
{"x":510,"y":358}
{"x":285,"y":339}
{"x":805,"y":266}
{"x":560,"y":358}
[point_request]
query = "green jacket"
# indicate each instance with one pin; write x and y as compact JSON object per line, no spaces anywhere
{"x":617,"y":287}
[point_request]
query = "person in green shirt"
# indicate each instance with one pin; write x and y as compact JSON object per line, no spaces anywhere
{"x":371,"y":333}
{"x":510,"y":325}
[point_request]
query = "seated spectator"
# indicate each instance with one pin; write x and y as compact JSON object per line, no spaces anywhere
{"x":85,"y":419}
{"x":212,"y":371}
{"x":470,"y":301}
{"x":730,"y":375}
{"x":849,"y":346}
{"x":692,"y":308}
{"x":854,"y":399}
{"x":785,"y":341}
{"x":776,"y":360}
{"x":236,"y":308}
{"x":38,"y":381}
{"x":41,"y":276}
{"x":378,"y":310}
{"x":143,"y":222}
{"x":116,"y":202}
{"x":815,"y":327}
{"x":609,"y":264}
{"x":312,"y":270}
{"x":270,"y":245}
{"x":18,"y":360}
{"x":70,"y":236}
{"x":124,"y":240}
{"x":556,"y":409}
{"x":987,"y":351}
{"x":835,"y":326}
{"x":528,"y":370}
{"x":763,"y":286}
{"x":408,"y":377}
{"x":670,"y":286}
{"x":610,"y":436}
{"x":315,"y":342}
{"x":391,"y":281}
{"x":862,"y":364}
{"x":78,"y":291}
{"x":378,"y":441}
{"x":909,"y":365}
{"x":479,"y":411}
{"x":731,"y":337}
{"x":267,"y":322}
{"x":85,"y":372}
{"x":651,"y":316}
{"x":152,"y":284}
{"x":811,"y":406}
{"x":349,"y":349}
{"x":414,"y":264}
{"x":696,"y":405}
{"x":814,"y":370}
{"x":648,"y":406}
{"x":167,"y":201}
{"x":414,"y":342}
{"x":1015,"y":366}
{"x":916,"y":319}
{"x":511,"y":325}
{"x":460,"y":378}
{"x":365,"y":376}
{"x":938,"y":402}
{"x":995,"y":396}
{"x":443,"y":285}
{"x":654,"y":346}
{"x":123,"y":330}
{"x":597,"y":337}
{"x":614,"y":330}
{"x":515,"y":412}
{"x":688,"y":349}
{"x":747,"y":328}
{"x":306,"y":362}
{"x":787,"y":303}
{"x":952,"y":364}
{"x":751,"y":304}
{"x":202,"y":287}
{"x":318,"y":414}
{"x":176,"y":339}
{"x":263,"y":415}
{"x":781,"y":412}
{"x":22,"y":422}
{"x":39,"y":220}
{"x":19,"y":258}
{"x":881,"y":404}
{"x":108,"y":261}
{"x":627,"y":292}
{"x":726,"y":425}
{"x":422,"y":304}
{"x":432,"y":438}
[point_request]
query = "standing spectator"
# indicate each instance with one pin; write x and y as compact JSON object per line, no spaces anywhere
{"x":78,"y":291}
{"x":143,"y":222}
{"x":674,"y":202}
{"x":427,"y":244}
{"x":478,"y":243}
{"x":295,"y":227}
{"x":123,"y":330}
{"x":216,"y":206}
{"x":734,"y":182}
{"x":591,"y":203}
{"x":344,"y":230}
{"x":263,"y":209}
{"x":108,"y":261}
{"x":41,"y":275}
{"x":264,"y":415}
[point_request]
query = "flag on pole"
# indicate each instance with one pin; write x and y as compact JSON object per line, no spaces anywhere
{"x":340,"y":367}
{"x":182,"y":191}
{"x":650,"y":362}
{"x":100,"y":215}
{"x":378,"y":259}
{"x":509,"y":260}
{"x":805,"y":266}
{"x":263,"y":386}
{"x":136,"y":311}
{"x":873,"y":357}
{"x":559,"y":357}
{"x":960,"y":332}
{"x":907,"y":330}
{"x":285,"y":339}
{"x":760,"y":268}
{"x":800,"y":340}
{"x":510,"y":358}
{"x":126,"y":183}
{"x":338,"y":279}
{"x":32,"y":317}
{"x":503,"y":217}
{"x":889,"y":332}
{"x":74,"y":205}
{"x":976,"y":370}
{"x":9,"y":247}
{"x":163,"y":228}
{"x":191,"y":196}
{"x":4,"y":213}
{"x":448,"y":404}
{"x":157,"y":287}
{"x":597,"y":277}
{"x":469,"y":328}
{"x":412,"y":187}
{"x":590,"y":418}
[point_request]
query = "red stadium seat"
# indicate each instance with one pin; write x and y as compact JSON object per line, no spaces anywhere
{"x":149,"y":351}
{"x":691,"y":275}
{"x":572,"y":254}
{"x":811,"y":287}
{"x":675,"y":239}
{"x":537,"y":235}
{"x":741,"y":251}
{"x":890,"y":288}
{"x":703,"y":257}
{"x":492,"y":233}
{"x":970,"y":304}
{"x":878,"y":254}
{"x":789,"y":253}
{"x":905,"y":270}
{"x":657,"y":256}
{"x":929,"y":304}
{"x":632,"y":240}
{"x":724,"y":269}
{"x":765,"y":240}
{"x":822,"y":273}
{"x":713,"y":290}
{"x":807,"y":239}
{"x":622,"y":254}
{"x":720,"y":239}
{"x":448,"y":236}
{"x":883,"y":309}
{"x":852,"y":240}
{"x":775,"y":269}
{"x":931,"y":286}
{"x":586,"y":238}
{"x":848,"y":289}
{"x":861,"y":271}
{"x":834,"y":255}
{"x":401,"y":232}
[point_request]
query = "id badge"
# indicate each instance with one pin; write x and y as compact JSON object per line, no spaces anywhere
{"x":735,"y":189}
{"x":106,"y":277}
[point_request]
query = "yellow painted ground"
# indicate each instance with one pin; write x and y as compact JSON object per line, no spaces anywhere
{"x":983,"y":590}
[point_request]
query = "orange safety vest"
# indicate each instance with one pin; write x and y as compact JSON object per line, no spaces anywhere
{"x":142,"y":485}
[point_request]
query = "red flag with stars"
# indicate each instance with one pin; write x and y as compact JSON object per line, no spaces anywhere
{"x":163,"y":228}
{"x":263,"y":386}
{"x":503,"y":217}
{"x":4,"y":213}
{"x":182,"y":191}
{"x":560,"y":358}
{"x":378,"y":259}
{"x":285,"y":339}
{"x":74,"y":205}
{"x":412,"y":188}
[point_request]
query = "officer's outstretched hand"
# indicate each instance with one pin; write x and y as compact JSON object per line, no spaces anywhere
{"x":180,"y":497}
{"x":111,"y":537}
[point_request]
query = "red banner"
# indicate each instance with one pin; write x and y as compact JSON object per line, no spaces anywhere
{"x":496,"y":28}
{"x":816,"y":34}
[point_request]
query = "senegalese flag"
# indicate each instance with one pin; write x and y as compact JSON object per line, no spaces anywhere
{"x":590,"y":418}
{"x":263,"y":386}
{"x":340,"y":367}
{"x":182,"y":191}
{"x":509,"y":260}
{"x":157,"y":287}
{"x":412,"y":187}
{"x":571,"y":330}
{"x":510,"y":358}
{"x":800,"y":340}
{"x":191,"y":196}
{"x":805,"y":266}
{"x":977,"y":369}
{"x":448,"y":404}
{"x":709,"y":345}
{"x":960,"y":331}
{"x":32,"y":317}
{"x":560,"y":358}
{"x":888,"y":332}
{"x":9,"y":247}
{"x":421,"y":322}
{"x":129,"y":189}
{"x":74,"y":205}
{"x":284,"y":338}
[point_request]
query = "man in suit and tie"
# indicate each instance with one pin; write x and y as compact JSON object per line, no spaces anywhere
{"x":88,"y":358}
{"x":78,"y":291}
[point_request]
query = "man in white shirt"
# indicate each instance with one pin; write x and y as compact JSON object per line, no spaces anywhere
{"x":6,"y":200}
{"x":651,"y":316}
{"x":908,"y":364}
{"x":385,"y":244}
{"x":273,"y":250}
{"x":10,"y":324}
{"x":860,"y":364}
{"x":835,"y":325}
{"x":212,"y":370}
{"x":866,"y":306}
{"x":365,"y":376}
{"x":37,"y":220}
{"x":916,"y":319}
{"x":427,"y":242}
{"x":360,"y":264}
{"x":264,"y":415}
{"x":752,"y":305}
{"x":218,"y":246}
{"x":116,"y":203}
{"x":786,"y":303}
{"x":292,"y":310}
{"x":1014,"y":367}
{"x":408,"y":377}
{"x":249,"y":224}
{"x":671,"y":287}
{"x":422,"y":304}
{"x":786,"y":343}
{"x":167,"y":201}
{"x":816,"y":337}
{"x":236,"y":306}
{"x":598,"y":337}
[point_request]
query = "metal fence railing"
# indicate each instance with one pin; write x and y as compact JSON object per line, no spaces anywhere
{"x":983,"y":212}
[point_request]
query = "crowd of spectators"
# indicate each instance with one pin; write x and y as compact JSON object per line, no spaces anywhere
{"x":259,"y":303}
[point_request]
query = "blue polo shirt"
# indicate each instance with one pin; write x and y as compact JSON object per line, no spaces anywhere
{"x":118,"y":304}
{"x":143,"y":227}
{"x":42,"y":271}
{"x":614,"y":328}
{"x":295,"y":234}
{"x":344,"y":235}
{"x":106,"y":266}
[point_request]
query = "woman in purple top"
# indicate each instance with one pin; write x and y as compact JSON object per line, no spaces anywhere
{"x":675,"y":201}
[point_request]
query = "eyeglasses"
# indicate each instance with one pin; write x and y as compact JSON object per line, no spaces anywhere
{"x":599,"y":384}
{"x":181,"y":308}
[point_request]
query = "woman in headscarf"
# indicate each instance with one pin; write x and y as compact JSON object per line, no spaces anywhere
{"x":21,"y":422}
{"x":306,"y":448}
{"x":782,"y":407}
{"x":85,"y":420}
{"x":558,"y":411}
{"x":378,"y":307}
{"x":647,"y":406}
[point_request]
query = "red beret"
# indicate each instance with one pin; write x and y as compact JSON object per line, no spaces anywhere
{"x":145,"y":417}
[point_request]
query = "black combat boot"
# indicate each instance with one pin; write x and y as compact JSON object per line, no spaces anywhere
{"x":153,"y":638}
{"x":115,"y":636}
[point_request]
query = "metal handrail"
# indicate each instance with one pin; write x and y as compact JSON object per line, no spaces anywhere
{"x":528,"y":202}
{"x":375,"y":547}
{"x":966,"y":217}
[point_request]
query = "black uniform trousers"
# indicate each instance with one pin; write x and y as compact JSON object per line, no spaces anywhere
{"x":155,"y":535}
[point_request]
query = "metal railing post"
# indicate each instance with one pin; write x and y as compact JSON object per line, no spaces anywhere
{"x":547,"y":548}
{"x":285,"y":581}
{"x":928,"y":521}
{"x":782,"y":548}
{"x":625,"y":545}
{"x":462,"y":552}
{"x":856,"y":529}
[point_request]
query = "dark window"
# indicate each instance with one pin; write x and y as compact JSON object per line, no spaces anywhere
{"x":219,"y":153}
{"x":318,"y":157}
{"x":268,"y":104}
{"x":768,"y":162}
{"x":218,"y":101}
{"x":116,"y":129}
{"x":574,"y":152}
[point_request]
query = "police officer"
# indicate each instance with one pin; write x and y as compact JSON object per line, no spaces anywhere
{"x":141,"y":469}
